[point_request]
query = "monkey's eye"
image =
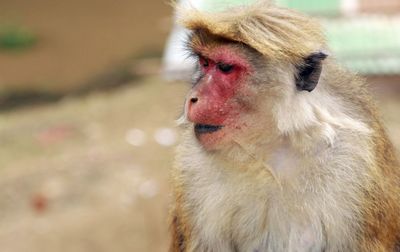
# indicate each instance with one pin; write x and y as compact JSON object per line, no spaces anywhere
{"x":225,"y":68}
{"x":203,"y":62}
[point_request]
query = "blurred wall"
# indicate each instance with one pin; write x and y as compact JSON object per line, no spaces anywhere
{"x":385,"y":6}
{"x":77,"y":39}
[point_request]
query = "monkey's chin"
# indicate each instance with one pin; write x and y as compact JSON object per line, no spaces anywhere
{"x":209,"y":136}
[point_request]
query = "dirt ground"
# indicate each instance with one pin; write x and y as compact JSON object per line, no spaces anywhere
{"x":79,"y":39}
{"x":77,"y":176}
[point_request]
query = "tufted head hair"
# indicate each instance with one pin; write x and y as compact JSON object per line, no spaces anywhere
{"x":277,"y":33}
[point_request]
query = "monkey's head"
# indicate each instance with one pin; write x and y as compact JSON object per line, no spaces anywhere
{"x":250,"y":60}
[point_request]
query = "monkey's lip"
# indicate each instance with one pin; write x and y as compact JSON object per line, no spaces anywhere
{"x":206,"y":128}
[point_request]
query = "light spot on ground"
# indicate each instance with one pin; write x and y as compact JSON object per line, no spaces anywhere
{"x":135,"y":137}
{"x":165,"y":136}
{"x":148,"y":189}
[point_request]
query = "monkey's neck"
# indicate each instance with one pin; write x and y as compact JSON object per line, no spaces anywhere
{"x":313,"y":191}
{"x":290,"y":158}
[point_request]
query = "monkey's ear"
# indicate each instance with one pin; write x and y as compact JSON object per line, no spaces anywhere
{"x":309,"y":72}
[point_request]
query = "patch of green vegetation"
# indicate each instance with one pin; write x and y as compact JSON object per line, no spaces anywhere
{"x":14,"y":37}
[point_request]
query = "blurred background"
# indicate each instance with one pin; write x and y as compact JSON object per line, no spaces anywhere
{"x":87,"y":116}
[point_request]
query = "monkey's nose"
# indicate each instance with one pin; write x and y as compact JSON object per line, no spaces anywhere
{"x":194,"y":100}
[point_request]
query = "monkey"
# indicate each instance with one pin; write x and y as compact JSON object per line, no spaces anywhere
{"x":282,"y":149}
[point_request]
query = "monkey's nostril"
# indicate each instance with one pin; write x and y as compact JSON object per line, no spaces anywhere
{"x":194,"y":100}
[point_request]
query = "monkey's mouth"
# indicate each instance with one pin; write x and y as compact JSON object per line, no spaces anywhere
{"x":206,"y":128}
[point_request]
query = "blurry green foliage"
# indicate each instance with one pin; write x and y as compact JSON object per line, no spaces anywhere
{"x":326,"y":7}
{"x":14,"y":37}
{"x":368,"y":45}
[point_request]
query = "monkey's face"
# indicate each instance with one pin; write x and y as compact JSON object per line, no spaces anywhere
{"x":222,"y":98}
{"x":237,"y":90}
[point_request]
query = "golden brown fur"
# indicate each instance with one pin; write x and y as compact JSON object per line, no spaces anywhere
{"x":274,"y":32}
{"x":321,"y":175}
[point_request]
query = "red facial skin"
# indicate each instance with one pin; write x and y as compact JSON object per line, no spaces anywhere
{"x":216,"y":94}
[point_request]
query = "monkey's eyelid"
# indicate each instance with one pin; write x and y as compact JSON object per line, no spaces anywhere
{"x":205,"y":62}
{"x":225,"y":68}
